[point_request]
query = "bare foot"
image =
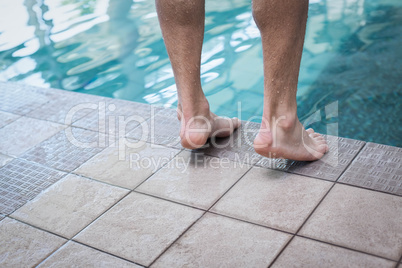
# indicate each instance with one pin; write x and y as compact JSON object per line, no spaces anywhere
{"x":196,"y":129}
{"x":290,"y":141}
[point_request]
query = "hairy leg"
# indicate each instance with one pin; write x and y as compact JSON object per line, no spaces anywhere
{"x":182,"y":24}
{"x":282,"y":24}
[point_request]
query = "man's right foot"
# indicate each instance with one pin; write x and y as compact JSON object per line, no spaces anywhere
{"x":197,"y":128}
{"x":290,"y":140}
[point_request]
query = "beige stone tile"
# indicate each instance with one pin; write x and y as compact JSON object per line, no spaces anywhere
{"x":24,"y":246}
{"x":360,"y":219}
{"x":76,"y":255}
{"x":194,"y":179}
{"x":139,"y":227}
{"x":4,"y":159}
{"x":66,"y":108}
{"x":136,"y":165}
{"x":303,"y":252}
{"x":69,"y":205}
{"x":7,"y":118}
{"x":273,"y":198}
{"x":217,"y":241}
{"x":24,"y":133}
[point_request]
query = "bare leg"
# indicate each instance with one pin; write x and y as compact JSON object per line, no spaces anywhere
{"x":282,"y":24}
{"x":182,"y":24}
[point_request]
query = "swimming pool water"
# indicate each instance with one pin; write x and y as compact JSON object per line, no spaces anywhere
{"x":350,"y":78}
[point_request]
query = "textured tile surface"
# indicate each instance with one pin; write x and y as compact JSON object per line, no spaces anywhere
{"x":360,"y":219}
{"x":68,"y":149}
{"x":273,"y":198}
{"x":21,"y":99}
{"x":24,"y":246}
{"x":134,"y":166}
{"x":237,"y":147}
{"x":162,"y":128}
{"x":4,"y":159}
{"x":114,"y":117}
{"x":303,"y":252}
{"x":330,"y":167}
{"x":7,"y":118}
{"x":66,"y":108}
{"x":194,"y":179}
{"x":377,"y":167}
{"x":24,"y":133}
{"x":139,"y":227}
{"x":69,"y":205}
{"x":20,"y":181}
{"x":76,"y":255}
{"x":216,"y":241}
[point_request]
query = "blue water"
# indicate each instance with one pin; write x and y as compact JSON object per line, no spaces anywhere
{"x":350,"y":78}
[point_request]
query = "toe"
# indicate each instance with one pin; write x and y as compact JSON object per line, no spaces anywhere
{"x":310,"y":131}
{"x":315,"y":135}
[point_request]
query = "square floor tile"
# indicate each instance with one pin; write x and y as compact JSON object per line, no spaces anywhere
{"x":360,"y":219}
{"x":194,"y":179}
{"x":329,"y":167}
{"x":273,"y":198}
{"x":303,"y":252}
{"x":76,"y":255}
{"x":24,"y":246}
{"x":216,"y":241}
{"x":69,"y":205}
{"x":114,"y":117}
{"x":21,"y":181}
{"x":237,"y":147}
{"x":66,"y":108}
{"x":7,"y":118}
{"x":162,"y":128}
{"x":4,"y":159}
{"x":68,"y":149}
{"x":139,"y":228}
{"x":377,"y":167}
{"x":127,"y":167}
{"x":24,"y":133}
{"x":20,"y":99}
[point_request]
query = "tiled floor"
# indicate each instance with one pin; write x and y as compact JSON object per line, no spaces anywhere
{"x":124,"y":193}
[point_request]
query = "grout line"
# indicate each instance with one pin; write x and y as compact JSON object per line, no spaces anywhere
{"x":101,"y":214}
{"x":312,"y":212}
{"x":301,"y":226}
{"x":117,"y":202}
{"x":319,"y":203}
{"x":244,"y":174}
{"x":351,"y":161}
{"x":182,"y":234}
{"x":368,"y":189}
{"x":250,"y":222}
{"x":344,"y":247}
{"x":168,"y":200}
{"x":108,"y":253}
{"x":36,"y":227}
{"x":162,"y":166}
{"x":280,"y":252}
{"x":399,"y":263}
{"x":177,"y":239}
{"x":51,"y":254}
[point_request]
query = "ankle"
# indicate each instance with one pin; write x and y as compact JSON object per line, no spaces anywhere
{"x":190,"y":109}
{"x":284,"y":121}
